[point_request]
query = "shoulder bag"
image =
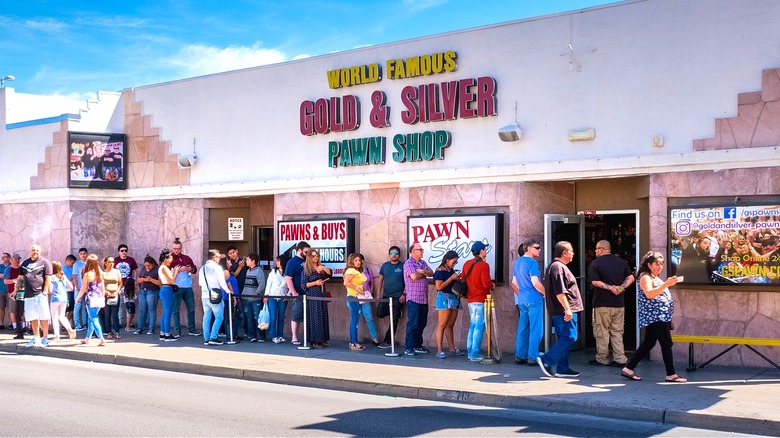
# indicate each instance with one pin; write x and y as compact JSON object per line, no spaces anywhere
{"x":215,"y":294}
{"x":459,"y":288}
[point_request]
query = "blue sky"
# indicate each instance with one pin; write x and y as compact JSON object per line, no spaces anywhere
{"x":77,"y":48}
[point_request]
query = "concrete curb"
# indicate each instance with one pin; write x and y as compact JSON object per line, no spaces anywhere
{"x":558,"y":404}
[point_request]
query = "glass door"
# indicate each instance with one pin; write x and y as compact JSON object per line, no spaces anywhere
{"x":571,"y":228}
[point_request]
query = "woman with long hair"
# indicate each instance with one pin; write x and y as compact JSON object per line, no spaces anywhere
{"x":365,"y":308}
{"x":275,"y":291}
{"x":59,"y":300}
{"x":92,"y":287}
{"x":167,"y":278}
{"x":656,"y":307}
{"x":354,"y":281}
{"x":112,"y":280}
{"x":313,"y":281}
{"x":149,"y":285}
{"x":447,"y":304}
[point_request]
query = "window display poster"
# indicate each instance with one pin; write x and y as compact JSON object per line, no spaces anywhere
{"x":334,"y":240}
{"x":727,"y":244}
{"x":439,"y":234}
{"x":97,"y":160}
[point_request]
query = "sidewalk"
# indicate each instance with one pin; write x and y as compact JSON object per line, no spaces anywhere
{"x":723,"y":398}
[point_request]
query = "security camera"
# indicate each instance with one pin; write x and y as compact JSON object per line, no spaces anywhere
{"x":186,"y":161}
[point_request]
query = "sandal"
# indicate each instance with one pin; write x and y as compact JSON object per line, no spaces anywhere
{"x":630,"y":375}
{"x":296,"y":342}
{"x":325,"y":344}
{"x":674,"y":378}
{"x":117,"y":336}
{"x":316,"y":345}
{"x":356,"y":347}
{"x":85,"y":341}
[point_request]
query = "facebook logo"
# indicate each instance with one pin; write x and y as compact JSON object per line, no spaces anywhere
{"x":730,"y":212}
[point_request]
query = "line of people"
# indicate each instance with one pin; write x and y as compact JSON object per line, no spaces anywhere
{"x":247,"y":298}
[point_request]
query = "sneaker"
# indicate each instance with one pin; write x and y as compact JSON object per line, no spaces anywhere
{"x":457,"y":352}
{"x":282,"y":340}
{"x":170,"y":338}
{"x":545,"y":369}
{"x":410,"y":353}
{"x":137,"y":332}
{"x":441,"y":355}
{"x":519,"y":361}
{"x":568,"y":373}
{"x":597,"y":363}
{"x":176,"y":336}
{"x":384,"y":346}
{"x":253,"y":340}
{"x":150,"y":332}
{"x":80,"y":328}
{"x":44,"y":342}
{"x":163,"y":337}
{"x":30,"y":343}
{"x":422,"y":350}
{"x":276,"y":341}
{"x":205,"y":342}
{"x":19,"y":336}
{"x":215,"y":342}
{"x":195,"y":333}
{"x":476,"y":359}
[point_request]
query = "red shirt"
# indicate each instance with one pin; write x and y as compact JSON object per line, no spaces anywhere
{"x":478,"y":281}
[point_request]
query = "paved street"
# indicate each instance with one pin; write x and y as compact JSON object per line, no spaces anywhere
{"x":74,"y":398}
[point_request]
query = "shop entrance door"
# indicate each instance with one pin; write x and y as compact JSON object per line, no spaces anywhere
{"x":571,"y":228}
{"x":621,"y":229}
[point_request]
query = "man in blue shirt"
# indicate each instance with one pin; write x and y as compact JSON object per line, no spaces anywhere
{"x":529,"y":299}
{"x":390,"y":284}
{"x":292,"y":276}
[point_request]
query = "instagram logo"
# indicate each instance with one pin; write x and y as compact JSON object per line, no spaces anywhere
{"x":682,"y":228}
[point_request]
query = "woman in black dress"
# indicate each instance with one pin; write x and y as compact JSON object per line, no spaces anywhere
{"x":313,"y":280}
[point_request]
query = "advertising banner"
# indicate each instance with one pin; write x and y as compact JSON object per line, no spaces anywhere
{"x":97,"y":160}
{"x":439,"y":234}
{"x":725,"y":244}
{"x":334,"y":239}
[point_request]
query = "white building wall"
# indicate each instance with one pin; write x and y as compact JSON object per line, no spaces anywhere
{"x":654,"y":67}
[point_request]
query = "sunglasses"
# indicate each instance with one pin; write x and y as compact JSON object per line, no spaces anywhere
{"x":536,"y":247}
{"x":394,"y":253}
{"x":122,"y":250}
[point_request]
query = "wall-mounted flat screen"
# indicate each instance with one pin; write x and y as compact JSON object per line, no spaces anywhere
{"x":97,"y":161}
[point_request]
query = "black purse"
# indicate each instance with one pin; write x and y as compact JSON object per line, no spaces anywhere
{"x":459,"y":288}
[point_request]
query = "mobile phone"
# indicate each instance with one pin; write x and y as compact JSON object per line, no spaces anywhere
{"x":680,"y":278}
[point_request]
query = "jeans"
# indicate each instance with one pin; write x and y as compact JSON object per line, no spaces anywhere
{"x":566,"y":332}
{"x":397,"y":313}
{"x":417,"y":319}
{"x":252,"y":310}
{"x":211,"y":331}
{"x":166,"y":296}
{"x":189,"y":303}
{"x":368,"y":314}
{"x":147,"y":309}
{"x":93,"y":323}
{"x":276,"y":307}
{"x":111,"y":313}
{"x":476,"y":328}
{"x":79,"y":309}
{"x":530,"y":330}
{"x":354,"y":319}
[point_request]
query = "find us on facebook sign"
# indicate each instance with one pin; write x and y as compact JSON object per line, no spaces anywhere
{"x":724,"y":219}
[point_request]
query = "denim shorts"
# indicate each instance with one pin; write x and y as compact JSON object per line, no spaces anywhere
{"x":445,"y":301}
{"x":297,"y":309}
{"x":130,"y":306}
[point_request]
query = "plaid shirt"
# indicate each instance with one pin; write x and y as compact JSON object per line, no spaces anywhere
{"x":416,"y":290}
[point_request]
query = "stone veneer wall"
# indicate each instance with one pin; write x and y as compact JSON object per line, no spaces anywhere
{"x":718,"y":311}
{"x":44,"y":223}
{"x":53,"y":172}
{"x":381,"y":220}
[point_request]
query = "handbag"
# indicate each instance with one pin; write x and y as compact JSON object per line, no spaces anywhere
{"x":365,"y":295}
{"x":215,"y":294}
{"x":112,"y":301}
{"x":459,"y":288}
{"x":264,"y":319}
{"x":383,"y":309}
{"x":95,"y":297}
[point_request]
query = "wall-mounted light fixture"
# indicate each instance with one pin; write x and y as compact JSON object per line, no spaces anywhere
{"x":582,"y":134}
{"x":6,"y":78}
{"x":186,"y":161}
{"x":511,"y":132}
{"x":658,"y":141}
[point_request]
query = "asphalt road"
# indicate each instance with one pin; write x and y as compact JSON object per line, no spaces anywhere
{"x":56,"y":397}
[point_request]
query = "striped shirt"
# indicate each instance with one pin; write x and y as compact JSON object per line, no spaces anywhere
{"x":416,"y":290}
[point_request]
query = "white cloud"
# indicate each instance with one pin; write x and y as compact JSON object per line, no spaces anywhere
{"x":198,"y":59}
{"x":45,"y":25}
{"x":419,"y":5}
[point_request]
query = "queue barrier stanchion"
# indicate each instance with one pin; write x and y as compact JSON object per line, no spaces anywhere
{"x":490,"y":360}
{"x":305,"y":345}
{"x":392,"y":352}
{"x":230,"y":319}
